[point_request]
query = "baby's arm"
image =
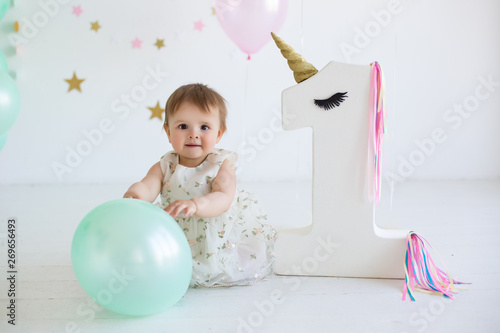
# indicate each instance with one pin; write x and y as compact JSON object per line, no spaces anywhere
{"x":149,"y":187}
{"x":216,"y":202}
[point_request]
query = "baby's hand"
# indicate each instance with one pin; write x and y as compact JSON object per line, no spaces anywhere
{"x":181,"y":206}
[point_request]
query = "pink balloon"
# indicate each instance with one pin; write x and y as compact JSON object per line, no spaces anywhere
{"x":249,"y":22}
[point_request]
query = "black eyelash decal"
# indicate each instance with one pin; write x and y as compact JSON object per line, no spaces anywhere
{"x":331,"y":102}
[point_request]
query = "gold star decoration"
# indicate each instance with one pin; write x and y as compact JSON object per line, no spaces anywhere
{"x":157,"y":111}
{"x":160,"y":43}
{"x":95,"y":26}
{"x":74,"y":83}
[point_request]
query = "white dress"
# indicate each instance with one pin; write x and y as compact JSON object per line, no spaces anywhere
{"x":235,"y":248}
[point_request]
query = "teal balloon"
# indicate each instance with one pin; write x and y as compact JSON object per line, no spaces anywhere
{"x":4,"y":6}
{"x":10,"y":102}
{"x":3,"y":63}
{"x":131,"y":257}
{"x":3,"y":140}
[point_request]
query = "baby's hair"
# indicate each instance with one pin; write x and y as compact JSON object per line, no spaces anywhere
{"x":201,"y":96}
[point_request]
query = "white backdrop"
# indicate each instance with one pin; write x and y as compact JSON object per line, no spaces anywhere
{"x":440,"y":60}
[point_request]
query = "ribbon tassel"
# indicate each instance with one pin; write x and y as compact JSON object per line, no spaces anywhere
{"x":421,"y":272}
{"x":377,"y":106}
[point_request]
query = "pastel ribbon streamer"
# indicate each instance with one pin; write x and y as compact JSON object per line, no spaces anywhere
{"x":377,"y":107}
{"x":421,"y":273}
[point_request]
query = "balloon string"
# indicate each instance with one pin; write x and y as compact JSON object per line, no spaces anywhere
{"x":245,"y":113}
{"x":297,"y":166}
{"x":302,"y":26}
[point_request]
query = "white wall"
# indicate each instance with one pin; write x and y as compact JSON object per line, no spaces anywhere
{"x":435,"y":54}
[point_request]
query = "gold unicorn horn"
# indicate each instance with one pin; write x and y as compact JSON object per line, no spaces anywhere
{"x":302,"y":70}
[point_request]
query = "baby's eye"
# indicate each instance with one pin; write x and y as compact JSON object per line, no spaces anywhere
{"x":204,"y":127}
{"x":183,"y":126}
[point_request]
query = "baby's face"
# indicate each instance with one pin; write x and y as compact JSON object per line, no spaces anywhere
{"x":193,"y":133}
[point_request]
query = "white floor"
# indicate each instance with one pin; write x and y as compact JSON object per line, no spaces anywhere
{"x":460,"y":219}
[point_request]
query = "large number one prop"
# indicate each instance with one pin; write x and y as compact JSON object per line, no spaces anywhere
{"x":343,"y":239}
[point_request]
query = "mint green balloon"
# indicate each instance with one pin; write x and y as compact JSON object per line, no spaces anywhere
{"x":4,"y":6}
{"x":10,"y":102}
{"x":131,"y":257}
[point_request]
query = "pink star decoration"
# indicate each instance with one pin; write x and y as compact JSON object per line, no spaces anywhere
{"x":136,"y":43}
{"x":77,"y":10}
{"x":198,"y":25}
